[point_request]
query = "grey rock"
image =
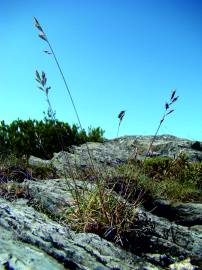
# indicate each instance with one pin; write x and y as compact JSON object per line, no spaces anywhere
{"x":21,"y":256}
{"x":102,"y":155}
{"x":197,"y":228}
{"x":187,"y":214}
{"x":163,"y":237}
{"x":116,"y":151}
{"x":71,"y":250}
{"x":54,"y":195}
{"x":38,"y":162}
{"x":153,"y":234}
{"x":197,"y":146}
{"x":157,"y":237}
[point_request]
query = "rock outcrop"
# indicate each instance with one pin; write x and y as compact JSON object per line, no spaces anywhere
{"x":187,"y":214}
{"x":160,"y":236}
{"x":116,"y":151}
{"x":15,"y":254}
{"x":30,"y":240}
{"x":34,"y":231}
{"x":159,"y":241}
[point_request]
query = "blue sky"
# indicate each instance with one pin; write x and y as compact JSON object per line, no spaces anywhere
{"x":116,"y":55}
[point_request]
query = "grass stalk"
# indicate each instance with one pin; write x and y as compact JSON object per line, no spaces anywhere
{"x":168,"y":110}
{"x":96,"y":171}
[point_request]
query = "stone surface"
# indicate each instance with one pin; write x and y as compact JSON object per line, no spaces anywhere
{"x":38,"y":162}
{"x":188,"y":214}
{"x":52,"y":195}
{"x":169,"y":237}
{"x":116,"y":151}
{"x":29,"y":229}
{"x":163,"y":236}
{"x":197,"y":146}
{"x":21,"y":256}
{"x":159,"y":235}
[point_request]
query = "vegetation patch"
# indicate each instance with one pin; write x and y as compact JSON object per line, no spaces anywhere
{"x":112,"y":218}
{"x":43,"y":138}
{"x":162,"y":177}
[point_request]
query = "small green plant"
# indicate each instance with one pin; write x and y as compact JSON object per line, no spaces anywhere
{"x":119,"y":219}
{"x":16,"y":169}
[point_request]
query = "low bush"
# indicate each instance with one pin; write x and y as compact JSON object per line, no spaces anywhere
{"x":43,"y":138}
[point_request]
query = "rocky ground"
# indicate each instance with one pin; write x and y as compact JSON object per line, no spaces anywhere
{"x":113,"y":152}
{"x":33,"y":234}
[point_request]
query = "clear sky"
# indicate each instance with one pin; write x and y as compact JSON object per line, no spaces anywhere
{"x":116,"y":55}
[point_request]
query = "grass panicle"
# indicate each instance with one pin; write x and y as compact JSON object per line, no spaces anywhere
{"x":168,"y":110}
{"x":120,"y":117}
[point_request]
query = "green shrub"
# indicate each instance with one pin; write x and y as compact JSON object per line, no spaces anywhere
{"x":43,"y":138}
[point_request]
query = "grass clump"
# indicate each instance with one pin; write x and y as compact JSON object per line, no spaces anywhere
{"x":118,"y":219}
